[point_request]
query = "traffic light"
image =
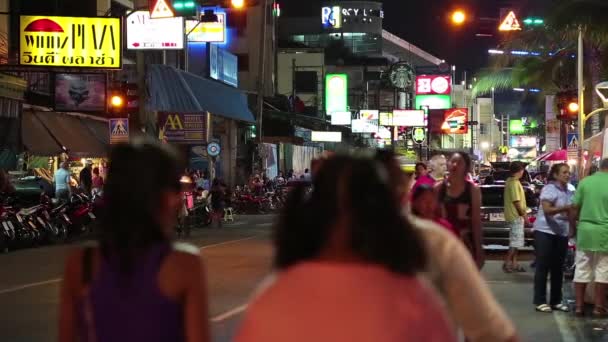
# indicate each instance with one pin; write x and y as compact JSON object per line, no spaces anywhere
{"x":237,"y":4}
{"x":117,"y":100}
{"x":534,"y":21}
{"x":458,"y":17}
{"x":185,"y":8}
{"x":567,"y":103}
{"x":276,"y":9}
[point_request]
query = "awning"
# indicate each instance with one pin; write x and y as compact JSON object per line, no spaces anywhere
{"x":36,"y":138}
{"x":99,"y":129}
{"x":72,"y":134}
{"x":173,"y":90}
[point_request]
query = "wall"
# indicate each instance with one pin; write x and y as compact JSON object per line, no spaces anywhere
{"x":304,"y":61}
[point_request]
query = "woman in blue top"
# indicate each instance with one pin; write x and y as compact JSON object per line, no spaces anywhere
{"x":551,"y":238}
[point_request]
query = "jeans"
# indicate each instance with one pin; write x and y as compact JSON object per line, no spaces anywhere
{"x":550,"y":256}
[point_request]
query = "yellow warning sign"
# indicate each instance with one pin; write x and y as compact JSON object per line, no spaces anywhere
{"x":160,"y":9}
{"x":510,"y":23}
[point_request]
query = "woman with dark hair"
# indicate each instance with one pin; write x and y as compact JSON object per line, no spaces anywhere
{"x":460,"y":204}
{"x":136,"y":285}
{"x":425,"y":204}
{"x":347,"y":260}
{"x":551,"y":230}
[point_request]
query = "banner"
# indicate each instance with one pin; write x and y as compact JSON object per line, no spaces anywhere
{"x":182,"y":128}
{"x":80,"y":92}
{"x":70,"y":42}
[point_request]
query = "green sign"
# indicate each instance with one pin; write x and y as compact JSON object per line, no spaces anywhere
{"x":434,"y":101}
{"x":418,"y":135}
{"x":336,"y":93}
{"x":519,"y":126}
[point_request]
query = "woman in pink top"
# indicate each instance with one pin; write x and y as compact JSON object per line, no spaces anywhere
{"x":347,"y":262}
{"x":425,"y":204}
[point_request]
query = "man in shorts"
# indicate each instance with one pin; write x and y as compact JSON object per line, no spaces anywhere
{"x":515,"y":208}
{"x":590,"y":204}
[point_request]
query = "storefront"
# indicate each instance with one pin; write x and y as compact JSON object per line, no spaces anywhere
{"x":12,"y":90}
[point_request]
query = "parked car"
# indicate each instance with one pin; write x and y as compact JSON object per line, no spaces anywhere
{"x":494,"y":226}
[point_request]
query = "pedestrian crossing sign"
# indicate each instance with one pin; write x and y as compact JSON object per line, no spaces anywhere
{"x":119,"y":130}
{"x":573,"y":142}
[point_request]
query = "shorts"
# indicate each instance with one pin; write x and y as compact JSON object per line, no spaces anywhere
{"x":591,"y":266}
{"x":516,"y":233}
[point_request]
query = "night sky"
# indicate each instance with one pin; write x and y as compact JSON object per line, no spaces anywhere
{"x":425,"y":24}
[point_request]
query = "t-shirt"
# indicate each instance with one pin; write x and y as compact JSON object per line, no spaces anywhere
{"x":62,"y":179}
{"x":592,"y":198}
{"x":559,"y":197}
{"x":339,"y":302}
{"x":514,"y":191}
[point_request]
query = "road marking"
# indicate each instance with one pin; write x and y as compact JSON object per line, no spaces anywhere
{"x":27,"y":286}
{"x":57,"y":280}
{"x":229,"y":314}
{"x":264,"y":224}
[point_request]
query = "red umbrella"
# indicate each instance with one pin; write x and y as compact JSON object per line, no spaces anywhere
{"x":557,"y":155}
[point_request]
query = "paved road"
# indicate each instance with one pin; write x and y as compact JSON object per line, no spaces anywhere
{"x":238,"y":257}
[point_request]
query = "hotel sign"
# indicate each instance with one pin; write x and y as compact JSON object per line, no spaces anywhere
{"x":77,"y":42}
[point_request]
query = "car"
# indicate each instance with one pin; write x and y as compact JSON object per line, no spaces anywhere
{"x":494,"y":226}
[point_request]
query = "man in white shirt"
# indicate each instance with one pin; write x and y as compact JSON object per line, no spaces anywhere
{"x":62,"y":179}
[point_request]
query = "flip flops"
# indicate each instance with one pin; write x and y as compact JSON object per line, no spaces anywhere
{"x":543,"y":308}
{"x":561,"y":307}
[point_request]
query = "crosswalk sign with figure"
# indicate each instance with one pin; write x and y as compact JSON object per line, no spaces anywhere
{"x":573,"y":142}
{"x":119,"y":130}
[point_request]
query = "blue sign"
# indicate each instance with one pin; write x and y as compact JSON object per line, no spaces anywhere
{"x":573,"y":142}
{"x":223,"y":66}
{"x":214,"y":149}
{"x":119,"y":130}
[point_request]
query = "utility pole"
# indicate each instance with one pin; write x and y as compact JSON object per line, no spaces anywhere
{"x":262,"y":67}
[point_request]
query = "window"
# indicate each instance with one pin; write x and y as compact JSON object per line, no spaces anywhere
{"x":306,"y":81}
{"x":243,"y":61}
{"x":482,"y":129}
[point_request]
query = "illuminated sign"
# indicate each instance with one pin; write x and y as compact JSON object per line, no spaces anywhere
{"x":409,"y":118}
{"x":419,"y":135}
{"x":523,"y":141}
{"x":70,"y":42}
{"x":80,"y":92}
{"x":336,"y":93}
{"x":341,"y":118}
{"x":144,"y":33}
{"x":367,"y":114}
{"x":331,"y":17}
{"x":362,"y":12}
{"x":455,"y":121}
{"x":364,"y":126}
{"x":160,"y":9}
{"x":213,"y":32}
{"x":433,"y":84}
{"x":434,"y":101}
{"x":326,"y":136}
{"x":509,"y":23}
{"x":386,"y":119}
{"x":223,"y":66}
{"x":520,"y":126}
{"x":181,"y":128}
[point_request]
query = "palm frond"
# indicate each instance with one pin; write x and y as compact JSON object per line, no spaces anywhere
{"x":497,"y":80}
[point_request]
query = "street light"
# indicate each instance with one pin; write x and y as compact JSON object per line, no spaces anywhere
{"x":458,"y":17}
{"x":238,"y":4}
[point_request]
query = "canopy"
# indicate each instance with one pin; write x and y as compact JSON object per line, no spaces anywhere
{"x":174,"y":90}
{"x":557,"y":155}
{"x":36,"y":137}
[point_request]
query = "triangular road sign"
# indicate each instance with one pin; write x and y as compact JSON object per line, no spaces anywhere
{"x":510,"y":23}
{"x":573,"y":143}
{"x":160,"y":9}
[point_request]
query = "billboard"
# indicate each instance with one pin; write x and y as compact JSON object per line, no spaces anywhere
{"x":331,"y":17}
{"x":433,"y":85}
{"x":341,"y":118}
{"x":80,"y":92}
{"x":520,"y":126}
{"x":144,"y":33}
{"x":364,"y":126}
{"x":336,"y":93}
{"x":326,"y":136}
{"x":433,"y":101}
{"x":208,"y":32}
{"x":409,"y":118}
{"x":455,"y":121}
{"x":223,"y":66}
{"x":368,"y":114}
{"x":182,"y":128}
{"x":76,"y":42}
{"x":520,"y":141}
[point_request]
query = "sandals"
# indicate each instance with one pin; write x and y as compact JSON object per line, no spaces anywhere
{"x":561,"y":307}
{"x":544,"y":308}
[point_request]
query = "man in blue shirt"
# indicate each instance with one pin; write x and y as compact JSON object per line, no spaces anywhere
{"x":62,"y":182}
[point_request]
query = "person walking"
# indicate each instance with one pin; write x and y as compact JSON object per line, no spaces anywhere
{"x":86,"y":177}
{"x":97,"y":182}
{"x":590,"y":205}
{"x":62,"y":179}
{"x":347,"y":262}
{"x":460,"y":204}
{"x":516,"y":216}
{"x":136,"y":285}
{"x":551,"y":239}
{"x":218,"y":201}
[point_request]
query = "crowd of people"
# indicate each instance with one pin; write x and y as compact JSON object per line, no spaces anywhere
{"x":368,"y":255}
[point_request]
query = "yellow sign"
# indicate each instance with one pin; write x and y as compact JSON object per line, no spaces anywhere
{"x":161,"y":10}
{"x":510,"y":23}
{"x":70,"y":42}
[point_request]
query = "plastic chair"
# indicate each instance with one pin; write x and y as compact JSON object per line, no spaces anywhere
{"x":228,"y":215}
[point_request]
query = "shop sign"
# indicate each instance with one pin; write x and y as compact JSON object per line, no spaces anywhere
{"x":408,"y":118}
{"x":331,"y":17}
{"x":364,"y":126}
{"x":433,"y":84}
{"x":362,"y":12}
{"x":434,"y":101}
{"x":119,"y":130}
{"x":520,"y":141}
{"x":12,"y":87}
{"x":144,"y":33}
{"x":336,"y":93}
{"x":520,"y":126}
{"x":182,"y":128}
{"x":214,"y":149}
{"x":419,"y":135}
{"x":322,"y":136}
{"x":341,"y":118}
{"x":209,"y":32}
{"x":223,"y":66}
{"x":70,"y":42}
{"x":455,"y":121}
{"x":80,"y":92}
{"x":368,"y":114}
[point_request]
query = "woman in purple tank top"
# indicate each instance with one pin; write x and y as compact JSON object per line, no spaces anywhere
{"x":136,"y":285}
